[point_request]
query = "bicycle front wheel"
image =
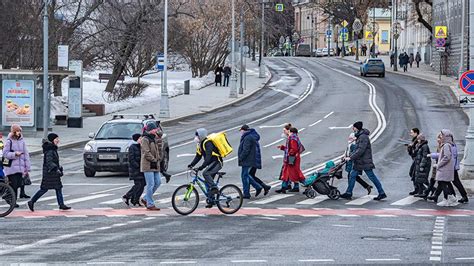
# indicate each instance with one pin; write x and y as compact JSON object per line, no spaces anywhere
{"x":7,"y":199}
{"x":230,"y":199}
{"x":185,"y":199}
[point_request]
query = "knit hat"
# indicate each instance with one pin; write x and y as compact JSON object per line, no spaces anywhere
{"x":135,"y":137}
{"x":358,"y":125}
{"x":421,"y":137}
{"x":52,"y":137}
{"x":150,"y":126}
{"x":15,"y":128}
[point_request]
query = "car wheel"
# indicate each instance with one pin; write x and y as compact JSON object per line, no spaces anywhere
{"x":165,"y":161}
{"x":365,"y":75}
{"x":383,"y":75}
{"x":362,"y":74}
{"x":89,"y":172}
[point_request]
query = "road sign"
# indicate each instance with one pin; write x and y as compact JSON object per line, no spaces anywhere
{"x":328,"y":32}
{"x":369,"y":35}
{"x":466,"y":82}
{"x":440,"y":42}
{"x":373,"y":26}
{"x":441,"y":32}
{"x":357,"y":25}
{"x":397,"y":28}
{"x":160,"y":62}
{"x":466,"y":101}
{"x":441,"y":49}
{"x":344,"y":23}
{"x":343,"y":30}
{"x":279,"y":7}
{"x":344,"y":36}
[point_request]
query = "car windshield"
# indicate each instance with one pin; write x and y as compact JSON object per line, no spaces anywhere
{"x":375,"y":62}
{"x":119,"y":130}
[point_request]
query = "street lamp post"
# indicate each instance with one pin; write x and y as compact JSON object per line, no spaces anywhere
{"x":164,"y":100}
{"x":233,"y":79}
{"x":261,"y":73}
{"x":242,"y":27}
{"x":329,"y":36}
{"x":45,"y":71}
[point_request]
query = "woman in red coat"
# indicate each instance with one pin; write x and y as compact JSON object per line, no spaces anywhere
{"x":291,"y":161}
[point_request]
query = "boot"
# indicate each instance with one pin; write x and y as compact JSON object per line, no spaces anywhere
{"x":463,"y":200}
{"x":64,"y":207}
{"x":167,"y":176}
{"x":281,"y":191}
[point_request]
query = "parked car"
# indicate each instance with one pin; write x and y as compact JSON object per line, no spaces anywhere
{"x":319,"y":52}
{"x":331,"y":51}
{"x":107,"y":151}
{"x":303,"y":50}
{"x":372,"y":66}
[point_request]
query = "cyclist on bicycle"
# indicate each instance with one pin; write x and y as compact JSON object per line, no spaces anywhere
{"x":213,"y":162}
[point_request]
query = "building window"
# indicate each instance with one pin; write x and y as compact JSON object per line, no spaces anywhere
{"x":385,"y":36}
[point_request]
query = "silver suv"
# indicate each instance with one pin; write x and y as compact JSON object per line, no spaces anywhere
{"x":108,"y":149}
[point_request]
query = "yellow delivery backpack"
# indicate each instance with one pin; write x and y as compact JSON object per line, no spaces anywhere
{"x":222,"y":144}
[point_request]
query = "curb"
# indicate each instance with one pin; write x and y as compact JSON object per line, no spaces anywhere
{"x":83,"y":142}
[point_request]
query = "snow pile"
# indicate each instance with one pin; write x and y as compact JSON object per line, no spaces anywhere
{"x":93,"y":90}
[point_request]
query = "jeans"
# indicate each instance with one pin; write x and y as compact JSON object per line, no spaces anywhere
{"x":42,"y":191}
{"x":226,"y":80}
{"x":248,"y":180}
{"x":286,"y":184}
{"x":153,"y":182}
{"x":370,"y":174}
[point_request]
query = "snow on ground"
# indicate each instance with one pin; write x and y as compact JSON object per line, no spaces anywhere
{"x":93,"y":91}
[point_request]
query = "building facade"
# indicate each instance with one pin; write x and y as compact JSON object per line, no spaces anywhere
{"x":310,"y":23}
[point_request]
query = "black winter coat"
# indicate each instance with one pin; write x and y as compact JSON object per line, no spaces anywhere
{"x":134,"y":159}
{"x":52,"y":171}
{"x":249,"y":152}
{"x":362,"y":156}
{"x":422,"y":163}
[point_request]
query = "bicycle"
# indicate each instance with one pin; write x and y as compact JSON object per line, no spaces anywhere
{"x":185,"y":198}
{"x":7,"y":199}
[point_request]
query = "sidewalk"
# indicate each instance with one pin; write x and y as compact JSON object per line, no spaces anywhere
{"x":199,"y":101}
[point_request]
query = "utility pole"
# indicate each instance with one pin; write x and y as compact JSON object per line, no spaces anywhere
{"x":312,"y":33}
{"x":329,"y":36}
{"x":241,"y":89}
{"x":164,"y":101}
{"x":46,"y":102}
{"x":261,"y":73}
{"x":467,"y":165}
{"x":233,"y":78}
{"x":463,"y":30}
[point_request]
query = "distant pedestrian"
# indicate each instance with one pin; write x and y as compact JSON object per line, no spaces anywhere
{"x":392,"y":59}
{"x":292,"y":162}
{"x":422,"y":165}
{"x":406,"y":60}
{"x":52,"y":173}
{"x":400,"y":59}
{"x":134,"y":160}
{"x":418,"y":59}
{"x":414,"y":132}
{"x":411,"y":59}
{"x":351,"y":147}
{"x":2,"y":175}
{"x":151,"y":148}
{"x":16,"y":151}
{"x":445,"y":169}
{"x":218,"y":73}
{"x":363,"y":162}
{"x":227,"y":73}
{"x":247,"y":158}
{"x":364,"y":50}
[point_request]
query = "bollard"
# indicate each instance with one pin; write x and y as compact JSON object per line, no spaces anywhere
{"x":186,"y":87}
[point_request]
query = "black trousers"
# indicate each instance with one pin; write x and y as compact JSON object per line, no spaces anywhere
{"x":226,"y":80}
{"x":445,"y":187}
{"x":136,"y":191}
{"x":252,"y":173}
{"x":457,"y":183}
{"x":16,"y":181}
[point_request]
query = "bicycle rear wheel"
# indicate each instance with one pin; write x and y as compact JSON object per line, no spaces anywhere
{"x":185,"y":199}
{"x":7,"y":199}
{"x":230,"y":199}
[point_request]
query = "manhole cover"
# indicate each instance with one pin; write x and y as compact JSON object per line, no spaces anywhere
{"x":382,"y":238}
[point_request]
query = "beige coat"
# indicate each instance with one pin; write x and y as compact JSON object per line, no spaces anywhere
{"x":445,"y":167}
{"x":151,"y":151}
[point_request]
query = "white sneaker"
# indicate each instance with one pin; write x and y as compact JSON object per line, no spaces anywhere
{"x":443,"y":203}
{"x":452,"y":201}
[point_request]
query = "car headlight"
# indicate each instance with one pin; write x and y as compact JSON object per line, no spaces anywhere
{"x":88,"y":148}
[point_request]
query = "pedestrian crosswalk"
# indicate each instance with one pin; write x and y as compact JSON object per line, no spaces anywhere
{"x":274,"y":200}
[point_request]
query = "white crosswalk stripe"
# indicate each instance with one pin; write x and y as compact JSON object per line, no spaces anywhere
{"x":272,"y":198}
{"x":361,"y":201}
{"x":110,"y":202}
{"x":40,"y":200}
{"x":316,"y":200}
{"x":82,"y":199}
{"x":406,"y":201}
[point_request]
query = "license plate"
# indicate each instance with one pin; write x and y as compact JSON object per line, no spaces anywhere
{"x":107,"y":156}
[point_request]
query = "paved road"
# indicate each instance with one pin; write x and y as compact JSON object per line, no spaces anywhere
{"x":321,"y":97}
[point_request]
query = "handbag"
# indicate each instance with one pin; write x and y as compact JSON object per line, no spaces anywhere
{"x":5,"y":161}
{"x":291,"y":160}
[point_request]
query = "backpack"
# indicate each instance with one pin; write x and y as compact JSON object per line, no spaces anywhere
{"x":222,"y":144}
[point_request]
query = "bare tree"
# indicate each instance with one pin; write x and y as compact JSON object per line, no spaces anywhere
{"x":423,"y":9}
